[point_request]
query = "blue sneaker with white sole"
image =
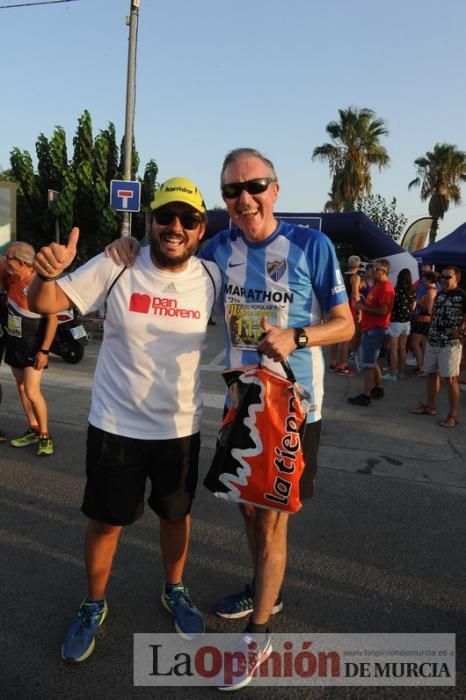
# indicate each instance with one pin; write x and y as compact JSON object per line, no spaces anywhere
{"x":237,"y":605}
{"x":188,"y":619}
{"x":79,"y":641}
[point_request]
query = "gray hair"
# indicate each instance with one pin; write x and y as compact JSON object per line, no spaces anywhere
{"x":384,"y":263}
{"x":354,"y":261}
{"x":23,"y":251}
{"x":238,"y":153}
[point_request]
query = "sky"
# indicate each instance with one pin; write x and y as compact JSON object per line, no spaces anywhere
{"x":213,"y":75}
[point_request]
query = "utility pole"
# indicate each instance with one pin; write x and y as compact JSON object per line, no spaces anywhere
{"x":132,"y":22}
{"x":52,"y":196}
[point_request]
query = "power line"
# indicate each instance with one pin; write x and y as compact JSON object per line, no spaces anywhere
{"x":31,"y":4}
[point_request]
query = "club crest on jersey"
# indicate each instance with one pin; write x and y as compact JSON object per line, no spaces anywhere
{"x":276,"y":269}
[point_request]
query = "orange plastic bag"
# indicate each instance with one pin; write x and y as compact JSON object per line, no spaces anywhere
{"x":259,"y":456}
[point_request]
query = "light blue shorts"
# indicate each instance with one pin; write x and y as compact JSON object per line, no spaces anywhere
{"x":398,"y":328}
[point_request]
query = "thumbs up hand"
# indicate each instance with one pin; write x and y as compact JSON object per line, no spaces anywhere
{"x":277,"y":343}
{"x":52,"y":259}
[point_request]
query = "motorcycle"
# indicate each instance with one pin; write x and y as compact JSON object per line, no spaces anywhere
{"x":70,"y":338}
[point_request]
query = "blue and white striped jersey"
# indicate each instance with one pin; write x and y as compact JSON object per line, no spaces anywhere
{"x":293,"y":278}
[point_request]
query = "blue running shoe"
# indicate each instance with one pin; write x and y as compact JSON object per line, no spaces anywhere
{"x":240,"y":604}
{"x":188,"y":619}
{"x":79,"y":640}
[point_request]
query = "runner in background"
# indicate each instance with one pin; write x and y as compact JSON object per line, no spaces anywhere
{"x":27,"y":345}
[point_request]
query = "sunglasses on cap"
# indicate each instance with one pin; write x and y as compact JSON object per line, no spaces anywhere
{"x":188,"y":221}
{"x":255,"y":186}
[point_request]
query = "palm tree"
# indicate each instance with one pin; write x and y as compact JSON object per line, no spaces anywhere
{"x":440,"y":173}
{"x":355,"y":147}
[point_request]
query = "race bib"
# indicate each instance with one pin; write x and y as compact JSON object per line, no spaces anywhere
{"x":244,"y":323}
{"x":14,"y":326}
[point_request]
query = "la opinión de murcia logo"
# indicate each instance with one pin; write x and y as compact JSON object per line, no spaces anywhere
{"x":296,"y":660}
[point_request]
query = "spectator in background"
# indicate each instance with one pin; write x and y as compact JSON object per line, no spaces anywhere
{"x":421,"y":322}
{"x":339,"y":353}
{"x":420,"y":286}
{"x":375,"y":317}
{"x":444,"y":346}
{"x":399,"y":327}
{"x":367,"y":281}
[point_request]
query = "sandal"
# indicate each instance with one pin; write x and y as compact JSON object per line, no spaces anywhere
{"x":449,"y":422}
{"x":3,"y":438}
{"x":423,"y":409}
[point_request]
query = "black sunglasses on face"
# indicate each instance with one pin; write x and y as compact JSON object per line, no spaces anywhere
{"x":188,"y":221}
{"x":255,"y":186}
{"x":446,"y":277}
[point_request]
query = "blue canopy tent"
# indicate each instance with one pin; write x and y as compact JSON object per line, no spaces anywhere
{"x":367,"y":240}
{"x":450,"y":250}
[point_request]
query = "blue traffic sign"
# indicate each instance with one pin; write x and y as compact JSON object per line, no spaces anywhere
{"x":125,"y":195}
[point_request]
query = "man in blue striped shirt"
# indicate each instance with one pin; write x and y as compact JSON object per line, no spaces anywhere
{"x":280,"y":279}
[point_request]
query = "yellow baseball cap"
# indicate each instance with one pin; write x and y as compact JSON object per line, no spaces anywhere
{"x":178,"y":189}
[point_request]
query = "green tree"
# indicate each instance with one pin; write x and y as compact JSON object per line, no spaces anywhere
{"x":83,"y":184}
{"x":30,"y":208}
{"x":439,"y":175}
{"x":354,"y":148}
{"x":148,"y":186}
{"x":383,"y":213}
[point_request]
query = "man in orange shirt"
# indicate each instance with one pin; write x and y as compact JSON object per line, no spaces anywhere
{"x":375,"y":317}
{"x":28,"y":340}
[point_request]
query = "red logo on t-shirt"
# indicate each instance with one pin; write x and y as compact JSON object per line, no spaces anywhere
{"x":161,"y":306}
{"x":140,"y":303}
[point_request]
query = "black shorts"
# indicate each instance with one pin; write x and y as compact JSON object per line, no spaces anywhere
{"x":420,"y":327}
{"x":117,"y":469}
{"x":21,"y":352}
{"x":310,"y":443}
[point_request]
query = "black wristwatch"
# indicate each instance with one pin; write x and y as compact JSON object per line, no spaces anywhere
{"x":300,"y":338}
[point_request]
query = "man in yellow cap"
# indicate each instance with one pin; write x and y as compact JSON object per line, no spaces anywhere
{"x":146,"y":403}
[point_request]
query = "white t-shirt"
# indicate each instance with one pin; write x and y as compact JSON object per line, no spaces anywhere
{"x":147,"y":378}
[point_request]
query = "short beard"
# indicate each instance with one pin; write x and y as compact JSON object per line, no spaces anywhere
{"x":165,"y":261}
